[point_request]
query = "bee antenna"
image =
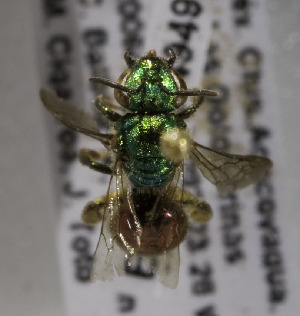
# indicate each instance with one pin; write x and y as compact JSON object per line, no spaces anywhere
{"x":172,"y":58}
{"x":130,"y":61}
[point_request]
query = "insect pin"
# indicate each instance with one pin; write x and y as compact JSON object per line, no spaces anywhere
{"x":146,"y":210}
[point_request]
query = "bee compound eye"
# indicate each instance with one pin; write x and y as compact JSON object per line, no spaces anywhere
{"x":121,"y":98}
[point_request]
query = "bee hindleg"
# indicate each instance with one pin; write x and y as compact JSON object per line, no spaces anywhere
{"x":93,"y":212}
{"x":104,"y":106}
{"x":195,"y":207}
{"x":185,"y":114}
{"x":88,"y":158}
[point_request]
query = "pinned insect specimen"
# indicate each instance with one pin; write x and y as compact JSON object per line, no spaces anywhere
{"x":146,"y":210}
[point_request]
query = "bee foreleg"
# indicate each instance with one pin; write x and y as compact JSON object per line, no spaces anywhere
{"x":88,"y":158}
{"x":104,"y":106}
{"x":185,"y":114}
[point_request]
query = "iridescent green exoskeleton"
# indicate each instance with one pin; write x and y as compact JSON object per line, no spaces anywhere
{"x":146,"y":210}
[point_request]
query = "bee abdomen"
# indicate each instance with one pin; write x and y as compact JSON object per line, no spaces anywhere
{"x":154,"y":171}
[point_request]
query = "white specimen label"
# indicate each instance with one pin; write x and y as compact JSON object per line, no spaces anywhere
{"x":237,"y":264}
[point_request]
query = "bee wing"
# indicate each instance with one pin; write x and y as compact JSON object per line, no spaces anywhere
{"x":168,"y":267}
{"x":168,"y":262}
{"x":73,"y":117}
{"x":117,"y":246}
{"x":110,"y":255}
{"x":229,"y":172}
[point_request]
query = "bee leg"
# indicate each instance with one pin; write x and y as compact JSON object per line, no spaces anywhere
{"x":87,"y":157}
{"x":104,"y":107}
{"x":93,"y":212}
{"x":195,"y":207}
{"x":185,"y":114}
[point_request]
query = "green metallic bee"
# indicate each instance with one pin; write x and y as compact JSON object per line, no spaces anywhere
{"x":146,"y":210}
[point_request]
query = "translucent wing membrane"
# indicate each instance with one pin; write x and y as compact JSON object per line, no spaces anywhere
{"x":73,"y":117}
{"x":109,"y":255}
{"x":144,"y":223}
{"x":167,"y":269}
{"x":229,"y":172}
{"x":167,"y":262}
